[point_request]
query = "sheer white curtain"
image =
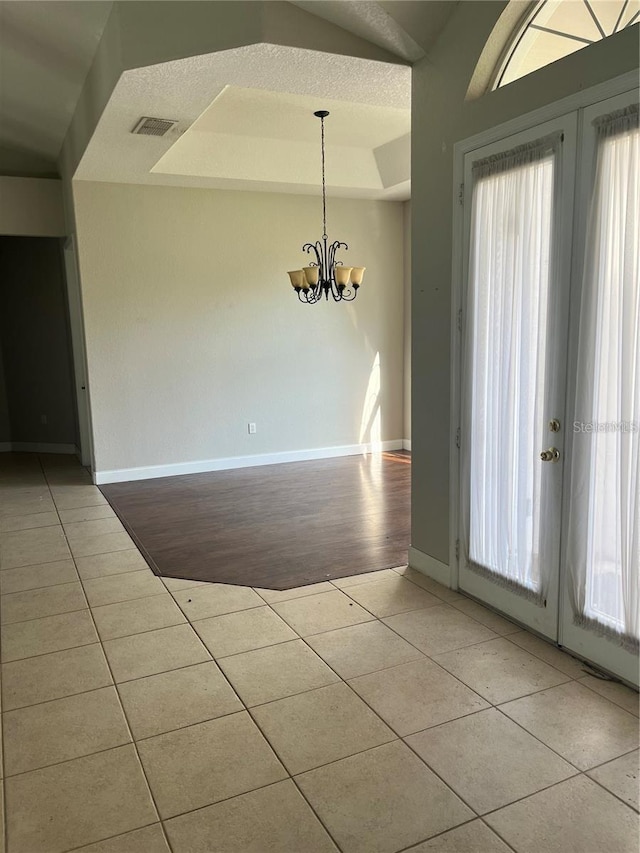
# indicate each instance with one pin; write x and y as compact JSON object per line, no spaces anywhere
{"x":603,"y":554}
{"x":505,"y":348}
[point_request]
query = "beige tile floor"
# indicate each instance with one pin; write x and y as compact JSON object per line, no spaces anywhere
{"x":376,"y":714}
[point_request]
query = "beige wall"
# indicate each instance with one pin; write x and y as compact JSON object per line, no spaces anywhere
{"x":407,"y":320}
{"x":441,"y":117}
{"x":31,"y":207}
{"x":193,"y":330}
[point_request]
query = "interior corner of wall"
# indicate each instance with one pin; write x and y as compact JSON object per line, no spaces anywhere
{"x":289,"y":25}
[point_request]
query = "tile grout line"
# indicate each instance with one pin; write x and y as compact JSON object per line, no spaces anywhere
{"x":413,"y":846}
{"x":75,"y":757}
{"x":251,"y":716}
{"x":114,"y":684}
{"x":453,"y":675}
{"x":398,"y":737}
{"x":292,"y":778}
{"x":492,"y":705}
{"x":89,"y":606}
{"x":610,"y":760}
{"x":271,"y":645}
{"x":523,"y":629}
{"x":496,"y":832}
{"x":585,"y":773}
{"x":377,"y":618}
{"x":341,"y":680}
{"x":457,"y":648}
{"x":47,"y":615}
{"x":35,"y":589}
{"x":243,"y":709}
{"x":548,"y":746}
{"x":5,"y":821}
{"x":548,"y":788}
{"x":235,"y":796}
{"x":119,"y":835}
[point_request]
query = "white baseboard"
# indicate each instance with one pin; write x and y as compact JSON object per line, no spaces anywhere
{"x":150,"y":472}
{"x":36,"y":447}
{"x":406,"y":444}
{"x":429,"y":566}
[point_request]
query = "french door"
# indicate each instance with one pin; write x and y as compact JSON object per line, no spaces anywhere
{"x":546,"y":535}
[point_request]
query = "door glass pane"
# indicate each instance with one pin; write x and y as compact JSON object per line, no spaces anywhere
{"x":604,"y":528}
{"x":506,"y":365}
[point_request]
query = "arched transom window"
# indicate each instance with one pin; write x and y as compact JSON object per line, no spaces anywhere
{"x":556,"y":28}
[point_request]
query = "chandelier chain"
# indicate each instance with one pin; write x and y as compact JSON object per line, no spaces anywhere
{"x":324,"y":191}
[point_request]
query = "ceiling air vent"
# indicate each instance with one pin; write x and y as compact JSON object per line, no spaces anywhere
{"x":154,"y":126}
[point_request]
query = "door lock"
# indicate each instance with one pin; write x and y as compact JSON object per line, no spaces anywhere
{"x":554,"y":425}
{"x":550,"y":455}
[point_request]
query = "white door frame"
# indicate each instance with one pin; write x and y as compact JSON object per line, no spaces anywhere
{"x":542,"y":618}
{"x":616,"y":86}
{"x":76,"y":323}
{"x":582,"y":641}
{"x":581,"y":100}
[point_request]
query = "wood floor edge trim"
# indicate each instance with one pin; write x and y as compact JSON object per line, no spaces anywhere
{"x":202,"y":527}
{"x":132,"y":534}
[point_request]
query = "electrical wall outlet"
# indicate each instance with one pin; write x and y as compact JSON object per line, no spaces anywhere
{"x":43,"y":419}
{"x":252,"y":429}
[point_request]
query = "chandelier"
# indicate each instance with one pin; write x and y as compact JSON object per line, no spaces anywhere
{"x":325,"y":274}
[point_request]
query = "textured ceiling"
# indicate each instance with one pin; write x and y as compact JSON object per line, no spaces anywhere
{"x":46,"y":49}
{"x":406,"y":28}
{"x":250,"y":135}
{"x":369,"y":21}
{"x":245,"y":122}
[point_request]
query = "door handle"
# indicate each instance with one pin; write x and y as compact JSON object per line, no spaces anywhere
{"x":550,"y":455}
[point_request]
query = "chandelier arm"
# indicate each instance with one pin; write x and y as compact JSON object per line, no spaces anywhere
{"x":332,"y":252}
{"x":308,"y":295}
{"x":313,"y":293}
{"x":316,"y":248}
{"x":348,"y":294}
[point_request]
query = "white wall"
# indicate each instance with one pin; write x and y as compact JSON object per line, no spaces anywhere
{"x":31,"y":207}
{"x":193,"y":330}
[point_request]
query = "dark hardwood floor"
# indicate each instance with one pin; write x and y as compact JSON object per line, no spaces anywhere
{"x":274,"y":526}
